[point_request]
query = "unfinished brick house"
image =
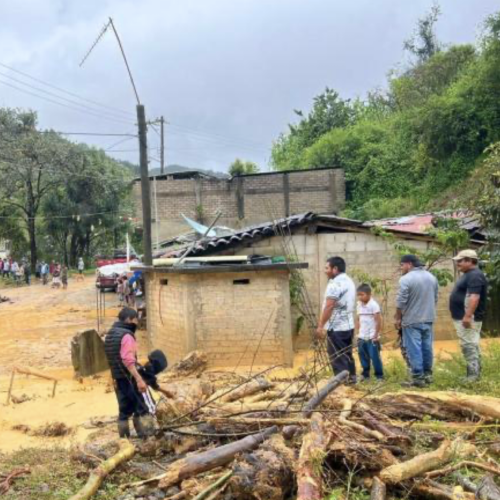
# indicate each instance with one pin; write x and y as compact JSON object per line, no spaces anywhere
{"x":242,"y":200}
{"x":238,"y":314}
{"x":312,"y":238}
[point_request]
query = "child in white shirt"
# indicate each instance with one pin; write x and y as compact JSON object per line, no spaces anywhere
{"x":368,"y":326}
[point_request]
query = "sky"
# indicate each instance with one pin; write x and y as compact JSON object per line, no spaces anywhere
{"x":225,"y":74}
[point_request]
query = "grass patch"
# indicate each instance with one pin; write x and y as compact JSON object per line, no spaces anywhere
{"x":449,"y":374}
{"x":54,"y":476}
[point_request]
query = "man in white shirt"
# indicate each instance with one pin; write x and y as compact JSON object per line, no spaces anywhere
{"x":337,"y":317}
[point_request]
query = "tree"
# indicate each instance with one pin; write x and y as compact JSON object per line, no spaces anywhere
{"x":423,"y":44}
{"x":90,"y":211}
{"x":240,"y":167}
{"x":32,"y":165}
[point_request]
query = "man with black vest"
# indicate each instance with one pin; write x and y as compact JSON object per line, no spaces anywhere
{"x":121,"y":350}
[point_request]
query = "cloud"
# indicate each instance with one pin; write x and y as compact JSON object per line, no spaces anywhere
{"x":226,"y":74}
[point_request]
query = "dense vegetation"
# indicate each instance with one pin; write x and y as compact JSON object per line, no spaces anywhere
{"x":58,"y":200}
{"x":412,"y":146}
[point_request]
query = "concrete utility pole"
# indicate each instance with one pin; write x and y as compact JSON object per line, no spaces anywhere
{"x":145,"y":189}
{"x":162,"y":147}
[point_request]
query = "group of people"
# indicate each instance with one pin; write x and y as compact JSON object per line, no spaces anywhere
{"x":55,"y":272}
{"x":415,"y":316}
{"x":414,"y":319}
{"x":18,"y":271}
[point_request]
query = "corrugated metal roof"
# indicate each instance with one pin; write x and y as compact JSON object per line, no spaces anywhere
{"x":267,"y":229}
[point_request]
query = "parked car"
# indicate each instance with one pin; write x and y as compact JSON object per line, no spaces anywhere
{"x":106,"y":282}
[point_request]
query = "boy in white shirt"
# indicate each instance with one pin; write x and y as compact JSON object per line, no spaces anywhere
{"x":368,"y":326}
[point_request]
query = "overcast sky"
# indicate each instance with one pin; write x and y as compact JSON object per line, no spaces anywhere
{"x":225,"y":74}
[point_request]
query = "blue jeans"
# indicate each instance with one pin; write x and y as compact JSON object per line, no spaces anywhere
{"x":417,"y":340}
{"x":369,"y":353}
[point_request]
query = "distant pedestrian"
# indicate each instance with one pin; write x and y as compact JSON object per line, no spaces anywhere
{"x":64,"y":277}
{"x":416,"y":312}
{"x":38,"y":270}
{"x":468,"y":307}
{"x":119,"y":290}
{"x":44,"y":271}
{"x":369,"y":327}
{"x":14,"y":271}
{"x":27,"y":273}
{"x":6,"y":268}
{"x":56,"y":276}
{"x":337,"y":317}
{"x":81,"y":267}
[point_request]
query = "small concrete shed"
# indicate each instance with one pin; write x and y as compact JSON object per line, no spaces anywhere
{"x":238,"y":314}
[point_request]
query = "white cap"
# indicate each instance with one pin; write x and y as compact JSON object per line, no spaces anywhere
{"x":466,"y":254}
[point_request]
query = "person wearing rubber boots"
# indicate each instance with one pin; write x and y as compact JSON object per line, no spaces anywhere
{"x":467,"y":308}
{"x":120,"y":346}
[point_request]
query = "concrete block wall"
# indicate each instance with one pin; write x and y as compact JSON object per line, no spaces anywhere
{"x":244,"y":200}
{"x":234,"y":323}
{"x":363,"y":253}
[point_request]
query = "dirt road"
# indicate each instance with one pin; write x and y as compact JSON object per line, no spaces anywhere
{"x":37,"y":327}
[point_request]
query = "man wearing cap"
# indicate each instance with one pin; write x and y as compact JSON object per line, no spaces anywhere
{"x":467,"y":307}
{"x":415,"y":314}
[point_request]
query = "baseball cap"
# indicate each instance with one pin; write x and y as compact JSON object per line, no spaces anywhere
{"x":411,"y":259}
{"x":466,"y":254}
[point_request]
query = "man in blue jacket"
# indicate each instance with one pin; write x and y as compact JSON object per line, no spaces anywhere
{"x":415,"y":314}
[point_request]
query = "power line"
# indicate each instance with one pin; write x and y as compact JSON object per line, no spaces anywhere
{"x":107,"y":114}
{"x":61,"y":103}
{"x":96,"y":103}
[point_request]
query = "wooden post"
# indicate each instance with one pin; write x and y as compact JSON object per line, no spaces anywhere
{"x":54,"y":389}
{"x":9,"y":392}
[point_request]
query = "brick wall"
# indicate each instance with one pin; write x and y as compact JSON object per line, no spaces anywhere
{"x":363,"y":253}
{"x":234,"y":324}
{"x":242,"y":200}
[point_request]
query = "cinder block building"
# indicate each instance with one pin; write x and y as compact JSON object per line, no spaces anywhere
{"x":239,"y":315}
{"x":243,"y":200}
{"x":312,"y":238}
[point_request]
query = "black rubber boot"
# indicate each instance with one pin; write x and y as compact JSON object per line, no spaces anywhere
{"x":123,"y":429}
{"x":139,"y":428}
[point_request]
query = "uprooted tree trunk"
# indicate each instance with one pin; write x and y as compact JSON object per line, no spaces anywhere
{"x":426,"y":462}
{"x":207,"y":460}
{"x":267,"y":473}
{"x":312,"y":454}
{"x":97,"y":476}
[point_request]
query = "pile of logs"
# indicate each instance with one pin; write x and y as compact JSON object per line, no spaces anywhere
{"x":257,"y":438}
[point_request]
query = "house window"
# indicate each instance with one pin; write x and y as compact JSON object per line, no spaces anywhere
{"x":241,"y":282}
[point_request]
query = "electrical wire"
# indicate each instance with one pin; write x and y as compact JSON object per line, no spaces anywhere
{"x":48,"y":99}
{"x":101,"y":113}
{"x":59,"y":89}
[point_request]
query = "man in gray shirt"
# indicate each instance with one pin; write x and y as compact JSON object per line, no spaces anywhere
{"x":415,"y":314}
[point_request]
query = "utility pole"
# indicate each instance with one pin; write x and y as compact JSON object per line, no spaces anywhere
{"x":145,"y":189}
{"x":143,"y":146}
{"x":162,"y":147}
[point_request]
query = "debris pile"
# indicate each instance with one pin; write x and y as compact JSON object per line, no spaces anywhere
{"x":263,"y":438}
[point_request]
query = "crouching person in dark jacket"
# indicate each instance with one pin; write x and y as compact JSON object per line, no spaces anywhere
{"x":131,"y":388}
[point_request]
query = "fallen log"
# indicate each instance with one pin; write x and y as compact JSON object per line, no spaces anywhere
{"x":486,"y":490}
{"x":226,"y":422}
{"x":97,"y":476}
{"x":379,"y":490}
{"x":318,"y":398}
{"x":251,"y":387}
{"x":445,"y":403}
{"x":426,"y":462}
{"x":343,"y":419}
{"x":438,"y":491}
{"x":459,"y":465}
{"x":312,"y":454}
{"x":206,"y":460}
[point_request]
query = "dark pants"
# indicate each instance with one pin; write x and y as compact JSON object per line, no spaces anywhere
{"x":369,"y":353}
{"x":130,"y":401}
{"x":339,"y":346}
